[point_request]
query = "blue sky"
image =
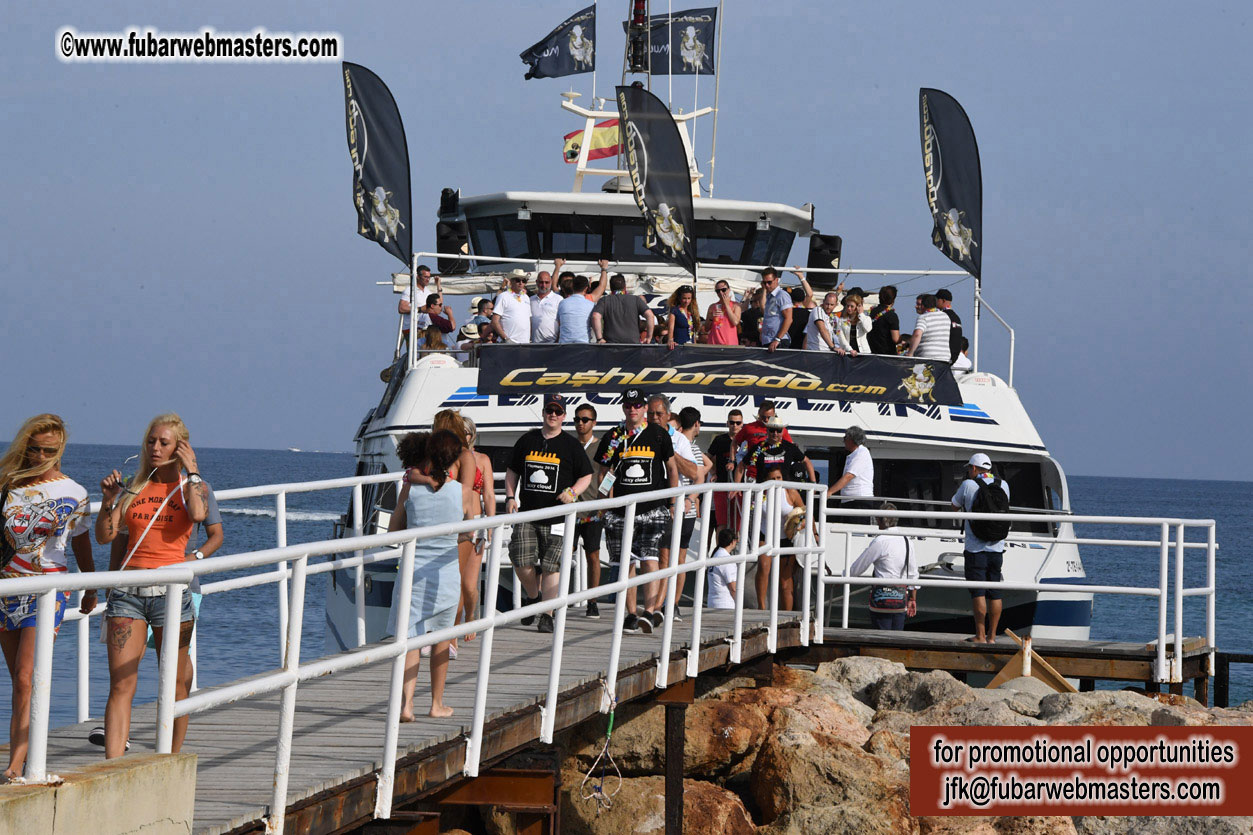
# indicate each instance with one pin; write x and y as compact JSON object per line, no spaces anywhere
{"x":181,"y":236}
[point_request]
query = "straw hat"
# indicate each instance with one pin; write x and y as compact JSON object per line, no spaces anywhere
{"x":470,"y":331}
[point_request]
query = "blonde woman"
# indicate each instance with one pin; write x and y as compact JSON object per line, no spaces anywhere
{"x":148,"y":522}
{"x":482,"y":500}
{"x":463,"y":470}
{"x":41,"y":511}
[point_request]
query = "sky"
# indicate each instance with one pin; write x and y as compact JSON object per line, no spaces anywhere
{"x":182,"y":237}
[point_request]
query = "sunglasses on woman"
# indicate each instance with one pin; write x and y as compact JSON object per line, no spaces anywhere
{"x":46,"y":450}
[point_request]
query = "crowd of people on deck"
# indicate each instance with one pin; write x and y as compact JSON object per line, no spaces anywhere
{"x":149,"y":520}
{"x":578,"y":309}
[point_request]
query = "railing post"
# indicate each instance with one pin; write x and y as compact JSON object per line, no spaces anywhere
{"x":698,"y":592}
{"x":474,"y":746}
{"x":1211,"y":637}
{"x":751,"y":509}
{"x":167,"y":669}
{"x":287,"y":709}
{"x":358,"y":585}
{"x":1160,"y":673}
{"x":1176,"y":671}
{"x":773,"y":542}
{"x":41,"y":688}
{"x":619,"y":610}
{"x":848,"y":564}
{"x":83,"y":645}
{"x":387,"y":774}
{"x":667,"y":624}
{"x":820,"y":597}
{"x":280,"y":525}
{"x":808,"y":539}
{"x":548,"y":716}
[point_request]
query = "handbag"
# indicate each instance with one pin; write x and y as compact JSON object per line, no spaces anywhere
{"x":891,"y":599}
{"x":7,"y":551}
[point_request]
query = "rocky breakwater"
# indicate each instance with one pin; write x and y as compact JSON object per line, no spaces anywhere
{"x":828,"y":751}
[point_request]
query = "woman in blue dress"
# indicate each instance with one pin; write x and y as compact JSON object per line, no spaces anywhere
{"x":684,"y":320}
{"x":429,"y":497}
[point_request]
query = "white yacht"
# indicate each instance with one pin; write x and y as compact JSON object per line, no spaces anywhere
{"x":919,"y":450}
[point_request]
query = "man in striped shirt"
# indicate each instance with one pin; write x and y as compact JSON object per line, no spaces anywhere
{"x":930,"y":339}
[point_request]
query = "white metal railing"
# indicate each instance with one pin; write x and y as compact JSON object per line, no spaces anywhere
{"x":1165,"y":669}
{"x":292,"y":569}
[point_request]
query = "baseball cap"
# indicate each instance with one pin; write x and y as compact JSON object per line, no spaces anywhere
{"x":632,"y":397}
{"x":980,"y":460}
{"x":775,"y":422}
{"x":555,"y":400}
{"x":943,"y":293}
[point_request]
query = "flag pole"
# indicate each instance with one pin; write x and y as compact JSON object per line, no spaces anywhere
{"x":713,"y":149}
{"x":669,"y":57}
{"x":594,"y":10}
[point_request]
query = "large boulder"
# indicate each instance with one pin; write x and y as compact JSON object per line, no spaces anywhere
{"x":915,"y":691}
{"x":639,"y":807}
{"x":859,"y":673}
{"x":1195,"y":825}
{"x":972,"y":708}
{"x":1102,"y":707}
{"x":721,"y":737}
{"x":890,"y":746}
{"x":846,"y":817}
{"x":961,"y":825}
{"x":799,"y":765}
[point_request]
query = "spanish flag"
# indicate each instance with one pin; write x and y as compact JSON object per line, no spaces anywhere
{"x":604,"y":142}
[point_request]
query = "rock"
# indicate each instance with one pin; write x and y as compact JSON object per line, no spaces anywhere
{"x":721,"y":737}
{"x":1028,"y":684}
{"x":825,"y":713}
{"x":970,"y":709}
{"x":847,"y":817}
{"x":956,"y":825}
{"x":1023,"y":702}
{"x":1195,"y":825}
{"x":639,"y":808}
{"x":859,"y":673}
{"x":454,"y":832}
{"x":708,"y":687}
{"x":1173,"y":700}
{"x":638,"y":745}
{"x":915,"y":691}
{"x":890,"y":746}
{"x":797,"y":767}
{"x":1103,"y":707}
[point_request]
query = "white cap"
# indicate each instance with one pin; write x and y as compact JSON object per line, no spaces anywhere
{"x":980,"y":460}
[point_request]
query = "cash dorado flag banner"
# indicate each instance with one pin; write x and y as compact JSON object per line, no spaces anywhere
{"x":567,"y":50}
{"x":874,"y":378}
{"x":660,"y":178}
{"x":380,"y":162}
{"x":690,"y":48}
{"x":950,"y":160}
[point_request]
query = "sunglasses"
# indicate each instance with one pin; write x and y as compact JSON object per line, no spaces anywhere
{"x":46,"y":450}
{"x":584,"y":420}
{"x":735,"y":423}
{"x":775,"y":430}
{"x":553,"y":410}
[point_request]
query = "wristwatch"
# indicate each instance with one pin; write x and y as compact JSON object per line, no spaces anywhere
{"x":198,"y":554}
{"x":194,"y":478}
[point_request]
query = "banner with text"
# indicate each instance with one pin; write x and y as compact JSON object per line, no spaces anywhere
{"x":950,"y":161}
{"x":682,"y":43}
{"x":569,"y":49}
{"x":380,"y":162}
{"x":875,"y":378}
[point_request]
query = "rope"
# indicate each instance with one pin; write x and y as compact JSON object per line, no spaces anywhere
{"x":597,"y":793}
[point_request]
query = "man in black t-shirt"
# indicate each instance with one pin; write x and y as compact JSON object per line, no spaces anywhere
{"x":944,"y":301}
{"x":722,"y":451}
{"x":547,"y":467}
{"x":775,"y":451}
{"x":636,"y":457}
{"x":885,"y":327}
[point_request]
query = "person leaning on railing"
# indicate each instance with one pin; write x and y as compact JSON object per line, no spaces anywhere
{"x":42,"y":510}
{"x":148,"y":522}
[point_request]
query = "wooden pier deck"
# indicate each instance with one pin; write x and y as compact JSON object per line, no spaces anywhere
{"x":337,"y":745}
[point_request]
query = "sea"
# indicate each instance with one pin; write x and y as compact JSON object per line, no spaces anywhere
{"x":237,"y":633}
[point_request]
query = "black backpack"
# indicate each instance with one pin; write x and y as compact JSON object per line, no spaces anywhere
{"x":990,"y":498}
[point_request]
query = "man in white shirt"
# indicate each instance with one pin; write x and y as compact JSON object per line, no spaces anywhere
{"x":820,"y":333}
{"x":962,"y":363}
{"x":544,"y":306}
{"x":891,"y":556}
{"x":777,"y":316}
{"x":406,"y":304}
{"x":983,"y":559}
{"x":511,"y":318}
{"x":931,"y":333}
{"x":856,"y":484}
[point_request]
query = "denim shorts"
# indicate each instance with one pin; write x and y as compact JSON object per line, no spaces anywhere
{"x":123,"y":604}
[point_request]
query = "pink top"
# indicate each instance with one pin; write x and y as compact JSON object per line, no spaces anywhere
{"x":721,"y":331}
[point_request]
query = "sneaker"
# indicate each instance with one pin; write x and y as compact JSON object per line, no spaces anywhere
{"x":527,"y":601}
{"x":646,"y":623}
{"x":545,"y":623}
{"x":678,"y":614}
{"x":96,"y":737}
{"x":593,"y":611}
{"x":657,"y":619}
{"x":631,"y":623}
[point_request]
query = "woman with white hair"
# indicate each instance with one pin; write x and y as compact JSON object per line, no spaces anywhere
{"x":889,"y":556}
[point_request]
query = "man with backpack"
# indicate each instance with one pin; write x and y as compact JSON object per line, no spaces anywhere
{"x":985,"y":541}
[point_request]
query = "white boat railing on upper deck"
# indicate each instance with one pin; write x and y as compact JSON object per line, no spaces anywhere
{"x":291,"y":565}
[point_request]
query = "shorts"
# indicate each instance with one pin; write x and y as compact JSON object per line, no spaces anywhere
{"x":984,"y":566}
{"x":589,"y":534}
{"x":125,"y":604}
{"x":882,"y":620}
{"x":722,"y":514}
{"x":534,"y":543}
{"x":685,"y":533}
{"x":650,"y":526}
{"x":18,"y":611}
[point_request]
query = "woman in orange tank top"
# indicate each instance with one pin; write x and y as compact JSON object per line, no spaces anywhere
{"x":148,"y":522}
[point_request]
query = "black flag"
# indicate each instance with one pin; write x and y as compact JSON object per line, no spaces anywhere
{"x":689,"y":48}
{"x":950,"y":159}
{"x":660,"y":177}
{"x":567,"y":50}
{"x":380,"y":162}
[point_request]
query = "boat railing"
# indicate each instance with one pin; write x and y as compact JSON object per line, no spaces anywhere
{"x":289,"y":566}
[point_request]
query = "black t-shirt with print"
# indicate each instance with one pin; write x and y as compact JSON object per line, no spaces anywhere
{"x":784,"y":453}
{"x":954,"y":334}
{"x":722,"y":450}
{"x":545,"y":467}
{"x":637,"y":461}
{"x":880,"y":336}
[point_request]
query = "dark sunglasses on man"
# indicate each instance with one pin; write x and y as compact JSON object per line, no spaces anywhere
{"x":554,"y":410}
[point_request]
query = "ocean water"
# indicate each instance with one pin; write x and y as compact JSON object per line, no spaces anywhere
{"x":237,"y":634}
